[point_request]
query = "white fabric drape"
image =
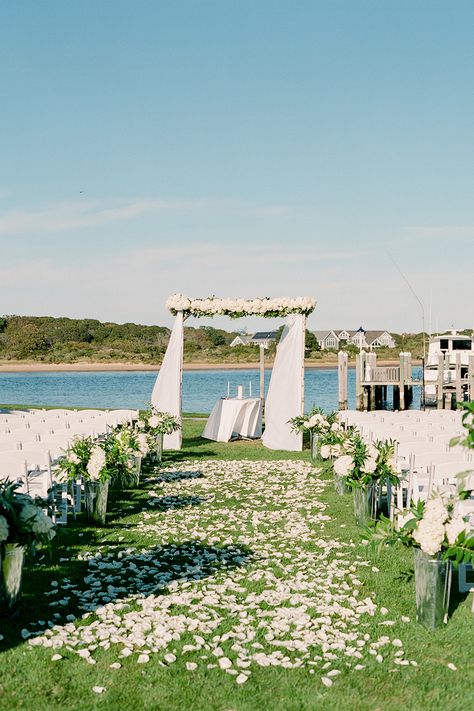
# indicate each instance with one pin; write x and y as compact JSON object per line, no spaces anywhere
{"x":284,"y":399}
{"x":166,"y":395}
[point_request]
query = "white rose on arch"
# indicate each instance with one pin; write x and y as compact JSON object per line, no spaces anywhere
{"x":214,"y":305}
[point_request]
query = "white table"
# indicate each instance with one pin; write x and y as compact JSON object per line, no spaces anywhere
{"x":231,"y":417}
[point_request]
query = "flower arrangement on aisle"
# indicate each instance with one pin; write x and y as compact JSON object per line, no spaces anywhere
{"x":332,"y":442}
{"x":319,"y":425}
{"x":86,"y":460}
{"x":237,"y":308}
{"x":124,"y":449}
{"x":468,"y":422}
{"x":364,"y":467}
{"x":21,"y":521}
{"x":23,"y":525}
{"x":439,"y":526}
{"x":315,"y":421}
{"x":441,"y":532}
{"x":154,"y":424}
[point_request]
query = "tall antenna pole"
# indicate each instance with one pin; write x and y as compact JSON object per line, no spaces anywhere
{"x":422,"y":314}
{"x":416,"y":297}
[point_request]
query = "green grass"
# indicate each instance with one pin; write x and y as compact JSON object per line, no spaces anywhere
{"x":30,"y":680}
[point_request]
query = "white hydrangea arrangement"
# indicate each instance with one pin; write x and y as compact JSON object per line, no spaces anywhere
{"x":153,"y":422}
{"x":86,"y":459}
{"x":440,"y":526}
{"x":21,"y":520}
{"x":362,"y":463}
{"x":237,"y":308}
{"x":437,"y":526}
{"x":316,"y":422}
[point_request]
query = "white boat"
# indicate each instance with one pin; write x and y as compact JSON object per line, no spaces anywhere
{"x":454,"y":347}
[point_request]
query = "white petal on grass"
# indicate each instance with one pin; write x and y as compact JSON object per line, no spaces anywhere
{"x":308,"y":609}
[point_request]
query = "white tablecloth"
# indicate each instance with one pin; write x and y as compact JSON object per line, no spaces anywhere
{"x":233,"y":417}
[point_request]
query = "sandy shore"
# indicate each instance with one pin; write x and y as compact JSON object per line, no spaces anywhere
{"x":25,"y":367}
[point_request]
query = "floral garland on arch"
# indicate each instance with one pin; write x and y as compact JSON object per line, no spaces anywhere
{"x":237,"y":308}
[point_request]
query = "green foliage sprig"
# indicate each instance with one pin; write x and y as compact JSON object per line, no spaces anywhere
{"x":21,"y":520}
{"x":468,"y":422}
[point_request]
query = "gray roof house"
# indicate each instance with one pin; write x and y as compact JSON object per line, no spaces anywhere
{"x":361,"y":338}
{"x":264,"y":338}
{"x":371,"y":339}
{"x":241,"y":340}
{"x":327,"y":339}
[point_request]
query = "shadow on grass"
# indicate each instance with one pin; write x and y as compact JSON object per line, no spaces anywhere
{"x":128,"y":502}
{"x":165,"y":503}
{"x":167,"y":477}
{"x":194,"y":448}
{"x":90,"y":584}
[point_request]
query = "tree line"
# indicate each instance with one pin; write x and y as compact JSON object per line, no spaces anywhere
{"x":67,"y":340}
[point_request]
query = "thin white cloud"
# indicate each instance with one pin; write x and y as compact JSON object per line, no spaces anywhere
{"x":85,"y":213}
{"x":424,"y":232}
{"x":132,"y":285}
{"x":4,"y":193}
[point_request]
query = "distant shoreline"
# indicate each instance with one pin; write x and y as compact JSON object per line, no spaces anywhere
{"x":20,"y":367}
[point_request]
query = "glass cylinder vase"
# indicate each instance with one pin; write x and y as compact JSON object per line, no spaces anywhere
{"x":433,"y":587}
{"x":12,"y":556}
{"x":365,"y":504}
{"x":158,"y":455}
{"x":314,"y":447}
{"x":340,"y":485}
{"x":135,"y":467}
{"x":95,"y":501}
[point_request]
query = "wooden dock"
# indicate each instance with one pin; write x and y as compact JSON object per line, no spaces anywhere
{"x":372,"y":382}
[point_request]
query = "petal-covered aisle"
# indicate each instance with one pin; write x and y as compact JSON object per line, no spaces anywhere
{"x":235,"y":571}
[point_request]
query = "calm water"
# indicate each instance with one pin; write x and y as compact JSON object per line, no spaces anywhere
{"x":133,"y":389}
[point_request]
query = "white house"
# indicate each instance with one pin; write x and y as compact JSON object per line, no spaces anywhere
{"x":361,"y":338}
{"x":371,"y":339}
{"x":241,"y":340}
{"x":327,"y":339}
{"x":264,"y":338}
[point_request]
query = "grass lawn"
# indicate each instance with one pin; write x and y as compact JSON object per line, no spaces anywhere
{"x":259,"y":564}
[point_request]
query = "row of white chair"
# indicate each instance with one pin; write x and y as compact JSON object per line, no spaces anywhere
{"x":29,"y":455}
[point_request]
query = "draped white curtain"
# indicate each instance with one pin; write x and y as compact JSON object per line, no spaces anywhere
{"x":285,"y":391}
{"x":166,"y":395}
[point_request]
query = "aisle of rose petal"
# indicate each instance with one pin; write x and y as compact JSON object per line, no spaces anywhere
{"x":235,"y":571}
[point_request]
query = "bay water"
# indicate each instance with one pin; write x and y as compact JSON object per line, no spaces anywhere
{"x":125,"y":389}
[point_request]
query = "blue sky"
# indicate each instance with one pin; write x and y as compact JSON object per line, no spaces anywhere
{"x":238,"y":148}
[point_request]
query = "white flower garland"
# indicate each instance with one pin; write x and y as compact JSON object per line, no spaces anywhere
{"x":236,"y":308}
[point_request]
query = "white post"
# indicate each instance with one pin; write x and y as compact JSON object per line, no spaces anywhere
{"x":458,"y":379}
{"x":342,"y":359}
{"x":262,"y":376}
{"x":471,"y":377}
{"x":440,"y":384}
{"x":302,"y":364}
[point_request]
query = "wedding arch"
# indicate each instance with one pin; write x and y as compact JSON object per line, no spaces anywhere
{"x":285,"y":398}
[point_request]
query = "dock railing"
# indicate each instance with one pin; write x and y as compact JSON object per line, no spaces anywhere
{"x":383,"y":374}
